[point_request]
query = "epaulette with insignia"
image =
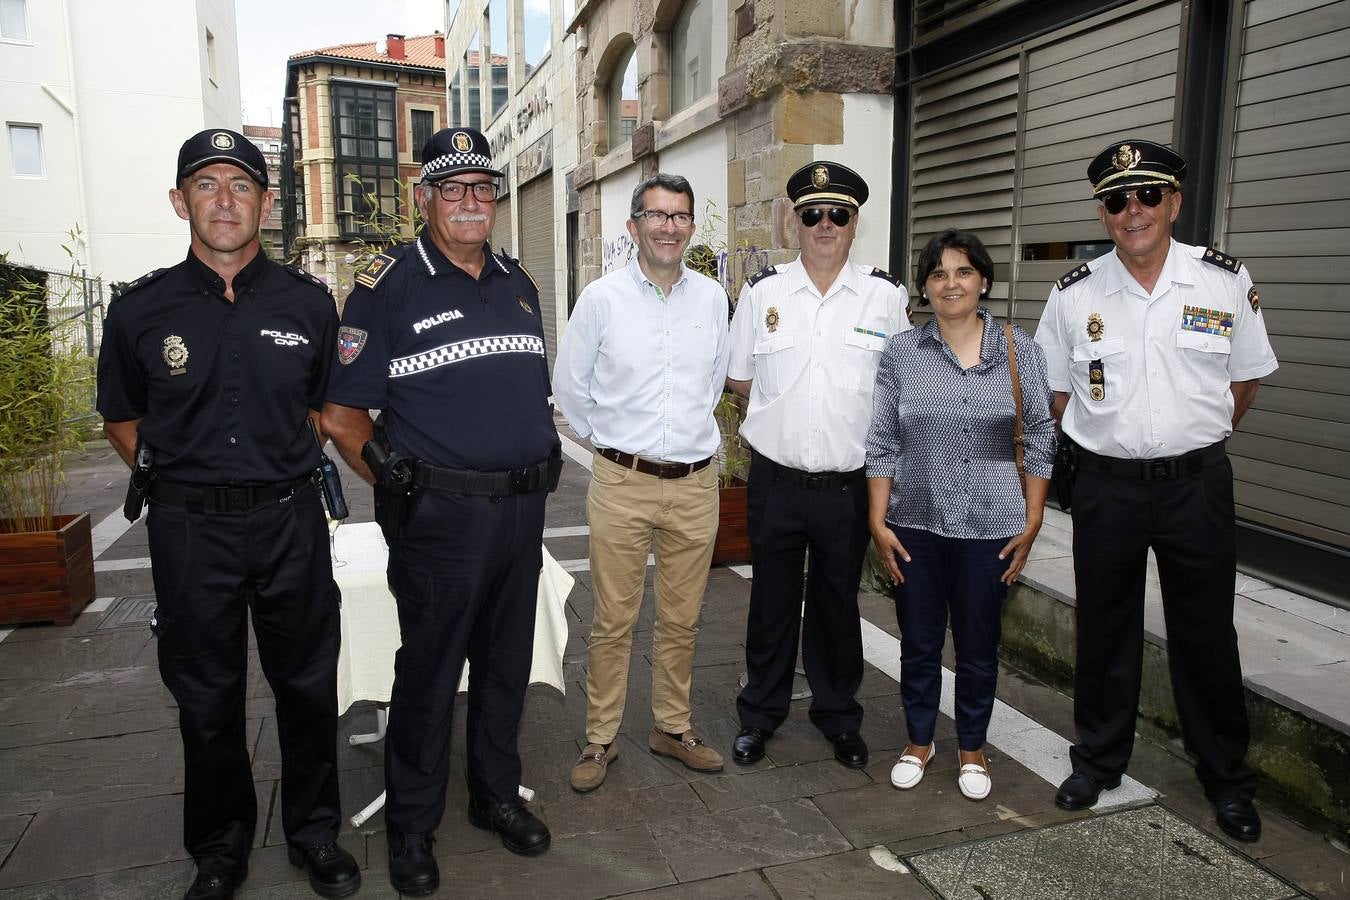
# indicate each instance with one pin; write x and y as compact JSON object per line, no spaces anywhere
{"x":308,"y":278}
{"x":761,"y":275}
{"x":375,"y":271}
{"x":885,"y":276}
{"x":138,"y":283}
{"x":1081,"y":272}
{"x":1222,"y":260}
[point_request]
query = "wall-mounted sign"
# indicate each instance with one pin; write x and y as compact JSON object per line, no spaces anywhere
{"x":535,"y":159}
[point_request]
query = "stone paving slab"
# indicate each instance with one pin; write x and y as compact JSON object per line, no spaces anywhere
{"x":735,"y":790}
{"x":165,"y":880}
{"x":844,"y":876}
{"x":75,"y":773}
{"x":1146,"y":852}
{"x":741,"y":886}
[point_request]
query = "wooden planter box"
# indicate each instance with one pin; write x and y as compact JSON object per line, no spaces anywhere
{"x":733,"y":536}
{"x":47,"y":576}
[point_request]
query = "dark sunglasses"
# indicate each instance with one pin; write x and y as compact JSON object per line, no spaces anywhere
{"x":811,"y":216}
{"x":1147,"y":196}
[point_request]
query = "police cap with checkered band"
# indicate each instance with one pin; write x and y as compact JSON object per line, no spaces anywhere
{"x":452,"y":151}
{"x":220,"y":145}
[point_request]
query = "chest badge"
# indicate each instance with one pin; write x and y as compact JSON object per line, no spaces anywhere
{"x":175,"y":354}
{"x":1095,"y":326}
{"x":1097,"y":380}
{"x":771,"y":319}
{"x":524,"y":305}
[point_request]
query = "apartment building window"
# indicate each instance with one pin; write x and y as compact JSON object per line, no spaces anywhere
{"x":537,"y":34}
{"x":456,"y":102}
{"x":423,"y":127}
{"x":14,"y":20}
{"x":623,"y":100}
{"x":697,"y":51}
{"x":211,"y":56}
{"x":499,"y":49}
{"x":366,"y":165}
{"x":25,"y":149}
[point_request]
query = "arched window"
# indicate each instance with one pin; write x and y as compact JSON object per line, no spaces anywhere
{"x":623,"y":99}
{"x":698,"y":50}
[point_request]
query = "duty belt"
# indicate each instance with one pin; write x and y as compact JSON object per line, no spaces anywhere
{"x":525,"y":480}
{"x":816,"y":481}
{"x":233,"y":498}
{"x":650,"y":467}
{"x":1153,"y":469}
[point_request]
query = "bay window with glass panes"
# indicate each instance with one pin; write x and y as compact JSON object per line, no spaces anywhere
{"x":365,"y":157}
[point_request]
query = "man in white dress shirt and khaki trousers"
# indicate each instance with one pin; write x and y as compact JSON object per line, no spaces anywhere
{"x":639,"y":371}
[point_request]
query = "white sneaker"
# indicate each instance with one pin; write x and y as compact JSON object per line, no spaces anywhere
{"x":974,"y":781}
{"x":908,"y":772}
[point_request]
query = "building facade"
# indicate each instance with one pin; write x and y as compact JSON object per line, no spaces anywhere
{"x":268,"y":139}
{"x":357,"y":117}
{"x":75,"y":192}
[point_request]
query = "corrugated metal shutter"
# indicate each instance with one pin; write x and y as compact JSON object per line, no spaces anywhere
{"x":1117,"y":76}
{"x":1288,"y":218}
{"x":536,"y":252}
{"x":502,"y":228}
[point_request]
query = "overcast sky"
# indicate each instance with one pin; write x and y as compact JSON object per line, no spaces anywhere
{"x":271,"y":30}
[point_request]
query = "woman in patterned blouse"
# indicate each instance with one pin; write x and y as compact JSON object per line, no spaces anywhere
{"x":946,"y":510}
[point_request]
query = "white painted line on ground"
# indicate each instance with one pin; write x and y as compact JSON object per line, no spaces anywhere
{"x":5,"y":632}
{"x":575,"y":452}
{"x":106,"y":532}
{"x":98,"y":605}
{"x":121,"y":565}
{"x":567,"y":531}
{"x":584,"y":565}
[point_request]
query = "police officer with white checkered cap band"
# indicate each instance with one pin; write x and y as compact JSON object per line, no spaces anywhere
{"x":216,"y":366}
{"x":1154,"y":352}
{"x":446,"y":339}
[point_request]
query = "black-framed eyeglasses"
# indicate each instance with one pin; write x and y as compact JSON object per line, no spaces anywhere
{"x":1116,"y":201}
{"x":657,"y":218}
{"x":452,"y":191}
{"x":812,"y":215}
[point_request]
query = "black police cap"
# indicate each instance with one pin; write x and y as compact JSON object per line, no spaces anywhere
{"x":823,"y":181}
{"x":220,"y":145}
{"x":454,"y":150}
{"x":1132,"y":164}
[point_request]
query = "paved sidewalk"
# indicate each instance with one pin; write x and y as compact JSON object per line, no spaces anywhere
{"x":91,"y":781}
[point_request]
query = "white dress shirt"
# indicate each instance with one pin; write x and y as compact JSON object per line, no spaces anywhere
{"x":813,"y":362}
{"x":1166,"y":358}
{"x":642,"y":372}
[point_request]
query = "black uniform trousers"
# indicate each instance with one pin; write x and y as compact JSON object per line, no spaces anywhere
{"x":465,"y":574}
{"x":1188,"y":520}
{"x":210,"y":569}
{"x":790,"y":525}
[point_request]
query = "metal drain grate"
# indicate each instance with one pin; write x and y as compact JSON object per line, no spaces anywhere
{"x":1144,"y":852}
{"x":133,"y":611}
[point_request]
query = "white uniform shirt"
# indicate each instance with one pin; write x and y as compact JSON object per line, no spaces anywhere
{"x":1166,"y":358}
{"x":641,"y":372}
{"x":813,"y":361}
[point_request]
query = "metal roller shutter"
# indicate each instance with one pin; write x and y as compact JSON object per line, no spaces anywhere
{"x":1287,"y":216}
{"x":536,"y":252}
{"x":502,"y":228}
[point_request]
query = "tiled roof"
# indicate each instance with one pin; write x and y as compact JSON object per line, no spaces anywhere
{"x":419,"y":51}
{"x":261,"y":131}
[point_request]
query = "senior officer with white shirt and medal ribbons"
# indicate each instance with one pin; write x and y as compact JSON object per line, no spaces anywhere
{"x":806,"y":340}
{"x":1154,"y":352}
{"x":446,"y":338}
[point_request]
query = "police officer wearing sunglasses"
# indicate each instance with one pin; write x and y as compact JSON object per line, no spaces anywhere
{"x":1155,"y":351}
{"x":806,"y":340}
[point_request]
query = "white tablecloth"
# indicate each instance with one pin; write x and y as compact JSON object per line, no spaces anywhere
{"x":370,"y":620}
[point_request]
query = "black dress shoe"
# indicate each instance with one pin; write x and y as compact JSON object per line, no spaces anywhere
{"x":332,"y":871}
{"x":412,"y":867}
{"x":1080,"y":790}
{"x":850,"y":749}
{"x":748,"y":748}
{"x":519,"y":830}
{"x":1238,"y":819}
{"x":218,"y":886}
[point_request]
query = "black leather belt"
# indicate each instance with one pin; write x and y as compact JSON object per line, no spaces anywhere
{"x":525,"y":480}
{"x":1153,"y":469}
{"x":233,"y":498}
{"x":648,"y":467}
{"x":816,"y":481}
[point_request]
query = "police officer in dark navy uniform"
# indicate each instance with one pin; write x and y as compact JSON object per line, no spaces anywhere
{"x":215,"y":368}
{"x":445,"y":337}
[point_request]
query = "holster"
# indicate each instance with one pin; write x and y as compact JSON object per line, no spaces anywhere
{"x":395,"y":494}
{"x":142,"y":471}
{"x":1065,"y":472}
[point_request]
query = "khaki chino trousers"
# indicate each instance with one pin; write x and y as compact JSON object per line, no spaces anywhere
{"x":631,"y":514}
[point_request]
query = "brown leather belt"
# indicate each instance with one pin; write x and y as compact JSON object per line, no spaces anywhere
{"x":647,"y":467}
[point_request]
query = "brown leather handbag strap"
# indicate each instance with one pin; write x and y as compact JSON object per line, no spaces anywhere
{"x":1017,"y":404}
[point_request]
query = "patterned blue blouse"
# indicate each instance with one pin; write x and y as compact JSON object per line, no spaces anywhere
{"x":944,"y":434}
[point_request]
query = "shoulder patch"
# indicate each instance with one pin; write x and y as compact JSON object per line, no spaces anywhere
{"x":309,"y":279}
{"x":1074,"y":275}
{"x":885,"y":276}
{"x":1222,"y":260}
{"x":141,"y":282}
{"x":375,"y":271}
{"x":761,"y":275}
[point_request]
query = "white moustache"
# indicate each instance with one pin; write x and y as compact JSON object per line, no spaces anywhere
{"x":469,"y":217}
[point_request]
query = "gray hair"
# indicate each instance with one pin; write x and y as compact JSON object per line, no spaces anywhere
{"x":676,"y":184}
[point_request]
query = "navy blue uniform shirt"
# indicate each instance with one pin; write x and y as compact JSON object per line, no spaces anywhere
{"x":456,"y":363}
{"x":223,"y":389}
